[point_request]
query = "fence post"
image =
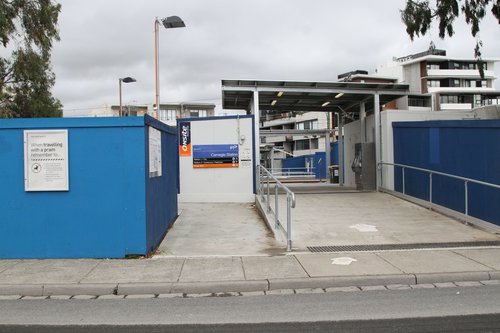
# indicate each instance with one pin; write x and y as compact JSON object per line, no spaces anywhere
{"x":466,"y":201}
{"x":404,"y":180}
{"x":430,"y":189}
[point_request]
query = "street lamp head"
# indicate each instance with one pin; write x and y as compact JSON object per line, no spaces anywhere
{"x":173,"y":22}
{"x":128,"y":79}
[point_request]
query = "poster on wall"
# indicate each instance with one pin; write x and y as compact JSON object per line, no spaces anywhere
{"x":184,"y":138}
{"x":46,"y":160}
{"x":246,"y":158}
{"x":215,"y":156}
{"x":154,"y":152}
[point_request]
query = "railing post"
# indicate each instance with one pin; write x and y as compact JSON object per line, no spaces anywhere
{"x":261,"y":183}
{"x":257,"y":180}
{"x":466,"y":201}
{"x":288,"y":222}
{"x":267,"y":200}
{"x":430,"y":188}
{"x":276,"y":205}
{"x":381,"y":168}
{"x":404,"y":180}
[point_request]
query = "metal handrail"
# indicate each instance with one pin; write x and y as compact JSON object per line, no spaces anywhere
{"x":293,"y":172}
{"x":264,"y":175}
{"x":431,"y":172}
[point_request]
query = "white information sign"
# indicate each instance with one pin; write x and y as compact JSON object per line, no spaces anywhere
{"x":246,"y":158}
{"x":154,"y":152}
{"x":46,"y":160}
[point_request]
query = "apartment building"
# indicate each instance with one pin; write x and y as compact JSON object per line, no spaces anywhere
{"x":168,"y":113}
{"x":442,"y":83}
{"x":292,"y":145}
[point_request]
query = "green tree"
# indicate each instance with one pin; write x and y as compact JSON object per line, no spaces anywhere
{"x":419,"y":14}
{"x":27,"y":30}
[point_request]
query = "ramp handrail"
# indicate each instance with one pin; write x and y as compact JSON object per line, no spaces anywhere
{"x":292,"y":172}
{"x":431,"y":172}
{"x":264,"y":176}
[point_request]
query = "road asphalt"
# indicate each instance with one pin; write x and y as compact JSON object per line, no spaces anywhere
{"x":181,"y":276}
{"x":458,"y":309}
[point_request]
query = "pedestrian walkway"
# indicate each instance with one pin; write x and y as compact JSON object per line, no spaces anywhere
{"x":219,"y":229}
{"x":188,"y":275}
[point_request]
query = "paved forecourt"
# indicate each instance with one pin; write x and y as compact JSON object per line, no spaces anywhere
{"x":370,"y":218}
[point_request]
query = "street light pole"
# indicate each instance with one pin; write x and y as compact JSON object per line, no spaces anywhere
{"x":169,"y":23}
{"x":120,"y":89}
{"x":157,"y":100}
{"x":127,"y":79}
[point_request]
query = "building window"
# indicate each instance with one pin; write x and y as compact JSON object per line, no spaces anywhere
{"x":477,"y":100}
{"x":433,"y":83}
{"x":449,"y":99}
{"x":167,"y":115}
{"x":314,"y":143}
{"x":198,"y":113}
{"x":419,"y":101}
{"x":432,"y":66}
{"x":454,"y":83}
{"x":306,"y":144}
{"x":307,"y":125}
{"x":491,"y":101}
{"x":480,"y":83}
{"x":302,"y":144}
{"x":458,"y":99}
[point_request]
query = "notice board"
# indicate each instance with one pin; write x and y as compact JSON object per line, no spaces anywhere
{"x":46,"y":160}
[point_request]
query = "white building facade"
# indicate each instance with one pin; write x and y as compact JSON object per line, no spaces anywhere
{"x":441,"y":83}
{"x":168,"y":114}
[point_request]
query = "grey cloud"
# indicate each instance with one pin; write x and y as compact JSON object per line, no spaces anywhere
{"x":255,"y":39}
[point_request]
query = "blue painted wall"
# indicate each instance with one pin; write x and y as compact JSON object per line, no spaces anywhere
{"x":104,"y":214}
{"x":161,"y":192}
{"x":467,"y":148}
{"x":298,"y":164}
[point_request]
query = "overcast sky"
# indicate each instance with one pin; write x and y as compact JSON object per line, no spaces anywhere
{"x":306,"y":40}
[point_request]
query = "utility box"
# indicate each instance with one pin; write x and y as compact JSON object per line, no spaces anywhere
{"x":86,"y":187}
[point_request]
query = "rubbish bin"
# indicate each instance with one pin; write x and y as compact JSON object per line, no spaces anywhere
{"x":334,"y":174}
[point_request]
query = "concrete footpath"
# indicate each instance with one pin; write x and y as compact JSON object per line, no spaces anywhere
{"x":181,"y":276}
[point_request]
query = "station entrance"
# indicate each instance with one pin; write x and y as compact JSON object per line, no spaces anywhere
{"x":346,"y":208}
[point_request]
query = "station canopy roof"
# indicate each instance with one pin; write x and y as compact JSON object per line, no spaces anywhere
{"x":307,"y":96}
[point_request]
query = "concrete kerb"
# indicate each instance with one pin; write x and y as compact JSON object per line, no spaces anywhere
{"x":96,"y":289}
{"x":340,"y":281}
{"x":144,"y":288}
{"x":21,"y":289}
{"x":243,"y":285}
{"x":423,"y":278}
{"x":219,"y":286}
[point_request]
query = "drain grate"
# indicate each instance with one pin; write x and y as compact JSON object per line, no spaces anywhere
{"x":389,"y":247}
